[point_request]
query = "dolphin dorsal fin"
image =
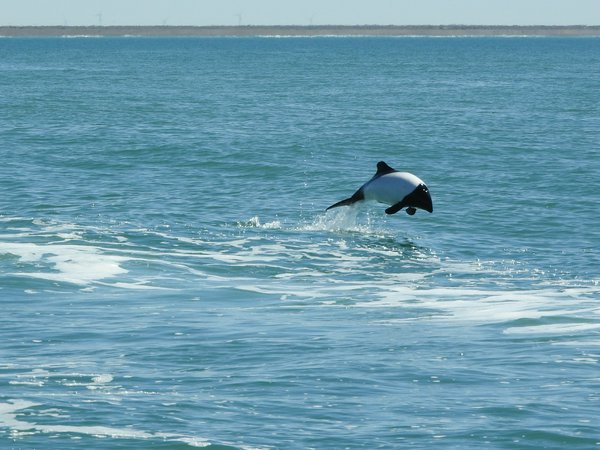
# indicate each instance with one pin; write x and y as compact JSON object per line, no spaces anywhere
{"x":383,"y":169}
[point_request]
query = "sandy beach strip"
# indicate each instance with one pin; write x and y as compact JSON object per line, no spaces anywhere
{"x":293,"y":30}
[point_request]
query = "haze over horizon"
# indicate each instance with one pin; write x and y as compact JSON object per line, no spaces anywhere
{"x":308,"y":12}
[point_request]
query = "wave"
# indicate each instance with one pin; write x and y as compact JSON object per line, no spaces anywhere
{"x":337,"y":268}
{"x":336,"y":259}
{"x":11,"y":411}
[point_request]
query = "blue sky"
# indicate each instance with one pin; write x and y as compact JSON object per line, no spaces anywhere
{"x":299,"y":12}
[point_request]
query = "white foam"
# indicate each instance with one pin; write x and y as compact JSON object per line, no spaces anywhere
{"x":26,"y":383}
{"x":283,"y":292}
{"x":8,"y":419}
{"x":102,"y":378}
{"x":557,"y":329}
{"x":77,"y":264}
{"x":8,"y":411}
{"x":139,"y":285}
{"x":579,"y":343}
{"x":482,"y":306}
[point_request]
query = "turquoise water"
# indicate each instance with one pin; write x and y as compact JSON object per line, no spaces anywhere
{"x":169,"y":278}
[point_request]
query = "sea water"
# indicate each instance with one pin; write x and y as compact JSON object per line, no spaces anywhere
{"x":169,"y":277}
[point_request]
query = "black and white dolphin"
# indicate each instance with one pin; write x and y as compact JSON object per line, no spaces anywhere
{"x":397,"y":189}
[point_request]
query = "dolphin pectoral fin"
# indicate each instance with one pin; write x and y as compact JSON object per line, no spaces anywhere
{"x":395,"y":208}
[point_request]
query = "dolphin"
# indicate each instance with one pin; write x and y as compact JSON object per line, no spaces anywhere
{"x":397,"y":189}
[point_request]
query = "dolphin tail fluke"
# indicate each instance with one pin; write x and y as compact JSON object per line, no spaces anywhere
{"x":345,"y":202}
{"x":356,"y":197}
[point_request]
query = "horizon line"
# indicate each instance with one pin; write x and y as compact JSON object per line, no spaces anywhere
{"x":298,"y":30}
{"x":310,"y":26}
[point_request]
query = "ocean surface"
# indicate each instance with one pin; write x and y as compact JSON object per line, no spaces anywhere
{"x":169,"y":278}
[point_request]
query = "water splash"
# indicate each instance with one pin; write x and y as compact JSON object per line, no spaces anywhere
{"x":254,"y":222}
{"x":347,"y":220}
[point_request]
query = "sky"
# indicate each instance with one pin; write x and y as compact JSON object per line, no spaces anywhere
{"x":299,"y":12}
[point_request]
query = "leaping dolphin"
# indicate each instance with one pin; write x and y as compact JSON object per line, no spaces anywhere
{"x":397,"y":189}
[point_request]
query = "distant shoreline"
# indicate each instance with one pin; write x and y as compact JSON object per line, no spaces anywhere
{"x":299,"y":30}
